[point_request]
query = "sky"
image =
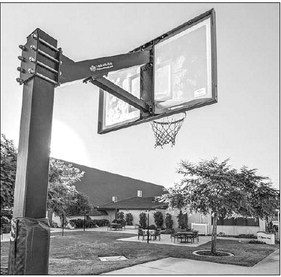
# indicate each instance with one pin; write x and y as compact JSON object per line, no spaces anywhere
{"x":243,"y":126}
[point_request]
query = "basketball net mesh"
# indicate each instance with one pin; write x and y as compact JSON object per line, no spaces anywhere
{"x":166,"y":129}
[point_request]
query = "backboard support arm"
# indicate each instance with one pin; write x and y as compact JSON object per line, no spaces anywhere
{"x":94,"y":70}
{"x":122,"y":94}
{"x":72,"y":71}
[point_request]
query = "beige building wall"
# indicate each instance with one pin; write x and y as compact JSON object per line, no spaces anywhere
{"x":228,"y":230}
{"x":192,"y":218}
{"x":136,"y":215}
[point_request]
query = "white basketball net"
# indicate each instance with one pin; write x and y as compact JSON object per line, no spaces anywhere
{"x":166,"y":129}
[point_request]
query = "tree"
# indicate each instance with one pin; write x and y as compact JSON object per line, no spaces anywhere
{"x":216,"y":188}
{"x":143,"y":219}
{"x":168,"y":221}
{"x":208,"y":187}
{"x":158,"y":219}
{"x":80,"y":205}
{"x":120,"y":215}
{"x":60,"y":198}
{"x":263,"y":199}
{"x":62,"y":194}
{"x":182,"y":220}
{"x":8,"y":172}
{"x":129,"y":219}
{"x":61,"y":191}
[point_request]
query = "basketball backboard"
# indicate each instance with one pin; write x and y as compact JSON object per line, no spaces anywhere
{"x":183,"y":76}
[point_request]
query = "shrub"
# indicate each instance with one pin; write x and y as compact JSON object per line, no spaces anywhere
{"x":7,"y":229}
{"x":54,"y":225}
{"x":5,"y":220}
{"x":152,"y":227}
{"x":182,"y":220}
{"x":158,"y":219}
{"x":5,"y":225}
{"x":129,"y":219}
{"x":247,"y":236}
{"x":120,"y":221}
{"x":120,"y":215}
{"x":103,"y":222}
{"x":89,"y":223}
{"x":166,"y":231}
{"x":100,"y":222}
{"x":168,"y":221}
{"x":77,"y":223}
{"x":143,"y":219}
{"x":256,"y":242}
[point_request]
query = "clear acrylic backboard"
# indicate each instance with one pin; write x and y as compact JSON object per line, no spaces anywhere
{"x":184,"y":76}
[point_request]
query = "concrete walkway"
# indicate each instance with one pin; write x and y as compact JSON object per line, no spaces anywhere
{"x":171,"y":266}
{"x":6,"y":237}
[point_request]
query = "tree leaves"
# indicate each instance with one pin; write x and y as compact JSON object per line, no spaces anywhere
{"x":8,"y":172}
{"x":63,"y":198}
{"x":213,"y":187}
{"x":216,"y":187}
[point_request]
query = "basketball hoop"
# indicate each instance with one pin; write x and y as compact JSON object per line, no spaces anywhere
{"x":166,"y":129}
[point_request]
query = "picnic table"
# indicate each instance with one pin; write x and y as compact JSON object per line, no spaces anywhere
{"x":185,"y":236}
{"x":115,"y":226}
{"x":152,"y":234}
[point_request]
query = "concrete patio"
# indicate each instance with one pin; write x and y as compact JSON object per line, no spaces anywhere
{"x":166,"y":239}
{"x":174,"y":266}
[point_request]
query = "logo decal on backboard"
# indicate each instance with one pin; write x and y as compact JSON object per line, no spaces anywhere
{"x":200,"y":92}
{"x":101,"y":66}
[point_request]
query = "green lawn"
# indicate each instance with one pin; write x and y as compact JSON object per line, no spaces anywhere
{"x":77,"y":252}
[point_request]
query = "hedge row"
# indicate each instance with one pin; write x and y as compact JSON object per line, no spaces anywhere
{"x":89,"y":223}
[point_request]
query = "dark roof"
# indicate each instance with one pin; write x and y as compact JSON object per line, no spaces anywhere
{"x":134,"y":203}
{"x":100,"y":186}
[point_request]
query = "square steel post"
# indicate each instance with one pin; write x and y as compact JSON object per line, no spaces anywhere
{"x":30,"y":233}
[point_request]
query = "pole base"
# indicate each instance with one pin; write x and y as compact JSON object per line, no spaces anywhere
{"x":29,"y":246}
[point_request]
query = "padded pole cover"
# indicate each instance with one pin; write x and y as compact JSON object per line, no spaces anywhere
{"x":29,"y":246}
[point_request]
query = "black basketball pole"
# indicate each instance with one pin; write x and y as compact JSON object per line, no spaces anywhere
{"x":30,"y":232}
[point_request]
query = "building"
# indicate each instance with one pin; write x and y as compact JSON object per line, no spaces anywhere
{"x":135,"y":206}
{"x":101,"y":186}
{"x":110,"y":193}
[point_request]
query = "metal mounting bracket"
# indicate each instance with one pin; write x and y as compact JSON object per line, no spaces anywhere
{"x":41,"y":59}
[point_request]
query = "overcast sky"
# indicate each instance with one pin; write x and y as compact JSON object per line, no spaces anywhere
{"x":242,"y":126}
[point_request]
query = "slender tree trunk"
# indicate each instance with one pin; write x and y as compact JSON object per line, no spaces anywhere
{"x":50,"y":216}
{"x":214,"y":235}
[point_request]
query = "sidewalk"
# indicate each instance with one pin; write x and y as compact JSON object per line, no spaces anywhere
{"x":128,"y":230}
{"x":171,"y":266}
{"x":6,"y":237}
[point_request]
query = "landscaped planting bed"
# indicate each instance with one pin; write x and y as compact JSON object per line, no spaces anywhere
{"x":79,"y":252}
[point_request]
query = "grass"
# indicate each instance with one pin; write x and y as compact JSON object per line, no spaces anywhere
{"x":78,"y":252}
